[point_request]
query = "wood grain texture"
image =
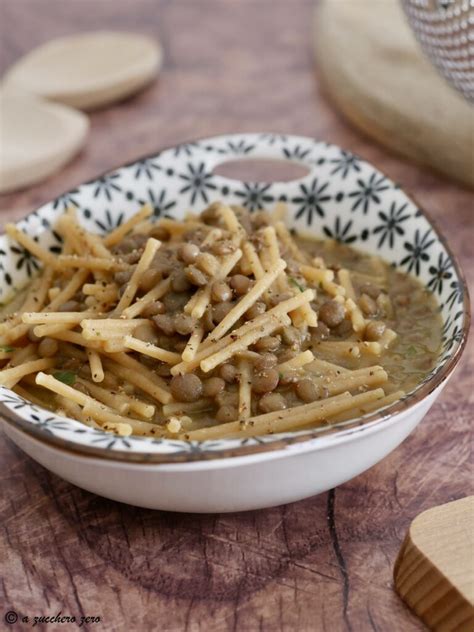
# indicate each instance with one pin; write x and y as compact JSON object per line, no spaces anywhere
{"x":434,"y":571}
{"x":321,"y":564}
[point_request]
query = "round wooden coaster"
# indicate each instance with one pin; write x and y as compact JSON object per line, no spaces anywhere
{"x":375,"y":73}
{"x":36,"y":138}
{"x":88,"y":70}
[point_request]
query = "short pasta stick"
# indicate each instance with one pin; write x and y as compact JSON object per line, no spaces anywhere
{"x":245,"y":388}
{"x":75,"y":338}
{"x":297,"y":362}
{"x":114,"y":400}
{"x":253,"y":259}
{"x":118,"y":423}
{"x":317,"y":275}
{"x":203,"y":296}
{"x":368,"y":407}
{"x":360,"y":378}
{"x":50,"y":330}
{"x":109,"y":328}
{"x":326,"y":368}
{"x":142,"y":408}
{"x":286,"y":239}
{"x":93,"y":289}
{"x":28,"y":395}
{"x":95,"y":363}
{"x":247,"y":301}
{"x":9,"y":377}
{"x":284,"y":420}
{"x":344,"y":278}
{"x":150,"y":297}
{"x":356,"y":316}
{"x":151,"y":350}
{"x":187,"y":407}
{"x":271,"y":255}
{"x":70,"y":289}
{"x":116,"y":236}
{"x":279,"y":212}
{"x":151,"y":248}
{"x":212,"y":236}
{"x":92,"y":407}
{"x":208,"y":348}
{"x":34,"y":302}
{"x":31,"y":245}
{"x":140,"y":376}
{"x":22,"y":354}
{"x":193,"y":343}
{"x":273,"y":323}
{"x":82,"y":239}
{"x":91,"y":263}
{"x":387,"y":338}
{"x":231,"y":221}
{"x":40,"y":318}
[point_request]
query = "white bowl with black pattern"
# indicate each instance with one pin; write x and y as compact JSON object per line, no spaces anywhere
{"x":341,"y":197}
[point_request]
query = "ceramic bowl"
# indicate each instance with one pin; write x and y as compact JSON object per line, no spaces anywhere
{"x":340,"y":197}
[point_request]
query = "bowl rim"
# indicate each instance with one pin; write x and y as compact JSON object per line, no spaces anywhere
{"x":331,"y":433}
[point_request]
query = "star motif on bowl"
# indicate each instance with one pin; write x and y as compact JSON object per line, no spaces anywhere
{"x":391,"y":224}
{"x":198,"y":182}
{"x":368,"y":192}
{"x":417,"y":251}
{"x":311,"y":200}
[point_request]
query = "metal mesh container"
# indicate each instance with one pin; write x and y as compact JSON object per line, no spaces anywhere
{"x":445,"y":30}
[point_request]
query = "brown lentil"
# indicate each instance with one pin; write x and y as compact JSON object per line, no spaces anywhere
{"x":188,"y":253}
{"x":149,"y":279}
{"x":220,"y":292}
{"x":196,"y":276}
{"x":48,"y":347}
{"x":265,"y":361}
{"x":175,"y":302}
{"x":179,"y":281}
{"x":157,"y":307}
{"x":374,"y":330}
{"x":331,"y":313}
{"x":271,"y":402}
{"x":257,"y":309}
{"x":184,"y":324}
{"x":213,"y":386}
{"x":220,"y":311}
{"x":291,"y":336}
{"x":307,"y":390}
{"x":240,"y":284}
{"x":186,"y":388}
{"x":165,"y":323}
{"x":268,"y":343}
{"x":228,"y":373}
{"x":265,"y":381}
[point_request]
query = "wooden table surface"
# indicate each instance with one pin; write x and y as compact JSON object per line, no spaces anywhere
{"x":324,"y":563}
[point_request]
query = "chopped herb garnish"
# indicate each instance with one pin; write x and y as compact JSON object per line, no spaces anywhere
{"x":296,"y":284}
{"x":7,"y":349}
{"x":411,"y":351}
{"x":66,"y":377}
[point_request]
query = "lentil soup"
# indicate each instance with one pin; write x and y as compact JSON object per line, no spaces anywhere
{"x":224,"y":324}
